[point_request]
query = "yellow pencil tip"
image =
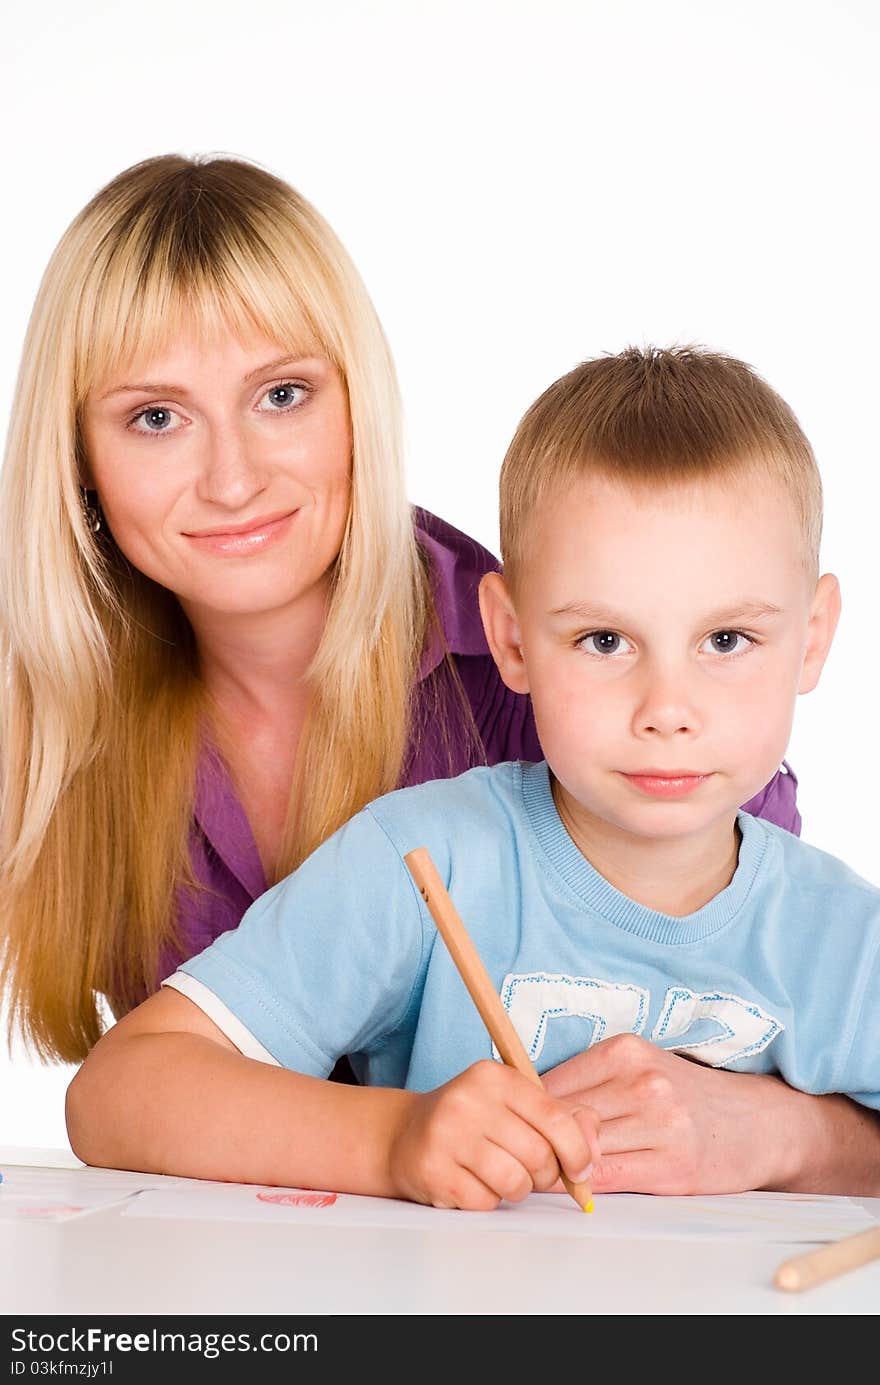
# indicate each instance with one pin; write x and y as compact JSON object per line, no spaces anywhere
{"x":588,"y":1207}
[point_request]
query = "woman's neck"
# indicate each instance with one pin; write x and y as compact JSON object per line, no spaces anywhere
{"x":254,"y":672}
{"x":254,"y":665}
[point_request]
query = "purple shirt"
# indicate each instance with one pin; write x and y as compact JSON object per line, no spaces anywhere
{"x":224,"y":855}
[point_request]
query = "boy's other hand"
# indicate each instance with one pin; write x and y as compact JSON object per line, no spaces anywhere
{"x":671,"y":1125}
{"x":489,"y":1135}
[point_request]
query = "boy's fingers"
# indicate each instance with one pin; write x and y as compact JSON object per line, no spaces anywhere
{"x":527,"y":1146}
{"x":639,"y":1171}
{"x":501,"y":1171}
{"x":588,"y":1121}
{"x":609,"y":1061}
{"x":631,"y":1131}
{"x":607,"y":1100}
{"x":466,"y":1190}
{"x":515,"y":1151}
{"x":574,"y":1147}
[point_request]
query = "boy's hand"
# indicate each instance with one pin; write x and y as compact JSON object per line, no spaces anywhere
{"x":674,"y":1126}
{"x":489,"y":1135}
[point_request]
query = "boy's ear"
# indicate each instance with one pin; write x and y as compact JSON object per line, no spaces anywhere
{"x":824,"y":615}
{"x":502,"y":631}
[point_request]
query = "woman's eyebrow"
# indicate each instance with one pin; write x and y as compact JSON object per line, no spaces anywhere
{"x":145,"y":387}
{"x":283,"y":362}
{"x":166,"y":387}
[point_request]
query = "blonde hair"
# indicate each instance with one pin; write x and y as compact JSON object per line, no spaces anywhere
{"x":655,"y":417}
{"x":102,"y":712}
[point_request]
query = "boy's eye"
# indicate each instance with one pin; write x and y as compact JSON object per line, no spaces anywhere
{"x":282,"y":397}
{"x":726,"y":642}
{"x":604,"y":642}
{"x":156,"y":419}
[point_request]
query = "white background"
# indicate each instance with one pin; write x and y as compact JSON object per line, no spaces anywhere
{"x":522,"y":185}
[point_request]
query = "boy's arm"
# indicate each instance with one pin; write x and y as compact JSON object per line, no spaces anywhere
{"x":833,"y":1142}
{"x":165,"y":1091}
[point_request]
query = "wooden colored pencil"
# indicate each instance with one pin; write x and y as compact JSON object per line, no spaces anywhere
{"x":479,"y":984}
{"x":815,"y":1266}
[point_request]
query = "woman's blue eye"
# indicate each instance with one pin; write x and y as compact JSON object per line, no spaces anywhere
{"x":156,"y":420}
{"x":282,"y":397}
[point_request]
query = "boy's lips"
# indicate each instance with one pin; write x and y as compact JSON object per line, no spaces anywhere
{"x":667,"y":783}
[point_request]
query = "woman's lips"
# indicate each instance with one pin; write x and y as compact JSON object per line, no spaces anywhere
{"x":666,"y":785}
{"x":240,"y":541}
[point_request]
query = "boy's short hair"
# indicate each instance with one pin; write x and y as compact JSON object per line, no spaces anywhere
{"x":656,"y":416}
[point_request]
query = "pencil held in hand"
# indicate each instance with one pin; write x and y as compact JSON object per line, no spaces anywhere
{"x":479,"y":985}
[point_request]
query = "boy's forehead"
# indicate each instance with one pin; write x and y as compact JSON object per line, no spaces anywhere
{"x":701,"y":537}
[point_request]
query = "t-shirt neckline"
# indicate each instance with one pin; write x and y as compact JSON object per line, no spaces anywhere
{"x":599,"y":895}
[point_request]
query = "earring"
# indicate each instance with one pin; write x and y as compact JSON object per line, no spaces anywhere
{"x":92,"y":509}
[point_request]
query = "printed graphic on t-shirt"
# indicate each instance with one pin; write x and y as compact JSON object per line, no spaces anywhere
{"x":714,"y":1027}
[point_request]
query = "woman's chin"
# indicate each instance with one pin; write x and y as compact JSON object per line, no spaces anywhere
{"x":245,"y":601}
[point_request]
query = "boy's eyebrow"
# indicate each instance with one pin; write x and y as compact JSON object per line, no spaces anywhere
{"x":747,"y":609}
{"x":744,"y":610}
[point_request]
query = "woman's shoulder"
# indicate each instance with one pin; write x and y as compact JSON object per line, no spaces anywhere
{"x":473,"y":717}
{"x":457,"y":565}
{"x":451,"y":545}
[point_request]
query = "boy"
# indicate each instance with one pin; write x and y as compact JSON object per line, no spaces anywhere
{"x":660,"y":524}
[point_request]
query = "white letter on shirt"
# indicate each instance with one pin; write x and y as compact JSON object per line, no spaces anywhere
{"x":746,"y":1027}
{"x":535,"y":998}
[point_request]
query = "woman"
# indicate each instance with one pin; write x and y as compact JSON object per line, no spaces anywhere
{"x":224,"y":629}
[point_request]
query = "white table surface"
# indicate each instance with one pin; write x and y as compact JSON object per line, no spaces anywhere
{"x":108,"y":1263}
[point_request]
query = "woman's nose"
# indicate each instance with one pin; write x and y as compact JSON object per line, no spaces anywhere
{"x":231,"y":472}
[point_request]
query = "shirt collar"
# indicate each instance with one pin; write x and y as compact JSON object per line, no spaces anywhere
{"x":222,"y":819}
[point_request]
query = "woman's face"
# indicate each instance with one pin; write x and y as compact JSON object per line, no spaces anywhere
{"x":224,"y":471}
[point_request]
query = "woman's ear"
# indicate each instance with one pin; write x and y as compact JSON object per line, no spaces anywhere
{"x":84,"y":471}
{"x":502,"y":631}
{"x":824,"y":615}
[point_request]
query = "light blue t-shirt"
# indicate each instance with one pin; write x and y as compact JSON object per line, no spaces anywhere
{"x":779,"y":973}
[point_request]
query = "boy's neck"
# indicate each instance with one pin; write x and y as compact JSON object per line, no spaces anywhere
{"x":674,"y":876}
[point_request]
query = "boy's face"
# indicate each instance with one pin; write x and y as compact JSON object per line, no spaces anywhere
{"x":663,"y":636}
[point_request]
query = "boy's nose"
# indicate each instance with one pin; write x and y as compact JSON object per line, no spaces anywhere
{"x":231,"y":472}
{"x":666,"y":709}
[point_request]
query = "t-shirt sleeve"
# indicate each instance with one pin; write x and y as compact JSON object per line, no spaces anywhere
{"x":328,"y":961}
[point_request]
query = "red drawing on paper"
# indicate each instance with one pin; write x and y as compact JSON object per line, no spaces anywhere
{"x":299,"y":1199}
{"x":52,"y":1209}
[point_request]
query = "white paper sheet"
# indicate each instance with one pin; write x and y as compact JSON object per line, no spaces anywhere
{"x":751,"y":1216}
{"x":32,"y":1155}
{"x":57,"y":1194}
